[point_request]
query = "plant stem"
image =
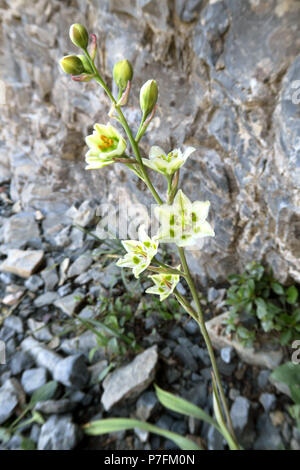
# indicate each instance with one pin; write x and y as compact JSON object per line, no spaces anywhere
{"x":201,"y":323}
{"x":199,"y":316}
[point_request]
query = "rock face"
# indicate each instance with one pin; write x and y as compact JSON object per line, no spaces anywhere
{"x":228,"y":74}
{"x":130,"y":380}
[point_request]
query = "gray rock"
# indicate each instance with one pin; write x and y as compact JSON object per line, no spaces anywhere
{"x":50,"y":276}
{"x":19,"y":362}
{"x":42,"y":356}
{"x":15,"y":323}
{"x":146,"y":405}
{"x":268,"y":436}
{"x":263,"y":378}
{"x":20,"y":229}
{"x":39,"y":330}
{"x":22,"y":263}
{"x":50,"y":407}
{"x":33,"y":379}
{"x":130,"y":380}
{"x":191,"y":327}
{"x":72,"y":372}
{"x":186,"y":358}
{"x":80,"y":265}
{"x":70,"y":303}
{"x":83,"y":344}
{"x":48,"y":298}
{"x":33,"y":283}
{"x":226,"y":85}
{"x":268,"y":401}
{"x":215,"y":440}
{"x":240,"y":413}
{"x":8,"y":403}
{"x":227,"y":354}
{"x":59,"y":433}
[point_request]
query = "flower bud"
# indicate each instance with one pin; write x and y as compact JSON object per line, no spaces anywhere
{"x":122,"y":74}
{"x":148,"y":97}
{"x":79,"y":35}
{"x":85,"y":63}
{"x":72,"y":65}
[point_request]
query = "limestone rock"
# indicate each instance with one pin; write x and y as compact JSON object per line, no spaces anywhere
{"x":130,"y":380}
{"x":269,"y":357}
{"x":22,"y":263}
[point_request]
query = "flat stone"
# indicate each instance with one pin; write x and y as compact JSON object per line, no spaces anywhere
{"x":50,"y":407}
{"x":33,"y":379}
{"x":59,"y":433}
{"x":268,"y":359}
{"x":70,"y":303}
{"x":80,"y":265}
{"x":8,"y":403}
{"x":20,"y":229}
{"x":48,"y":298}
{"x":19,"y":362}
{"x":33,"y":283}
{"x":22,"y":263}
{"x":13,"y":297}
{"x":130,"y":380}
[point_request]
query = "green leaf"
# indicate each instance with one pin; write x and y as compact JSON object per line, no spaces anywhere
{"x":292,"y":295}
{"x":182,"y":406}
{"x":104,"y":426}
{"x":277,"y":288}
{"x":27,"y":444}
{"x":46,"y":392}
{"x":288,"y":373}
{"x":261,"y":308}
{"x":105,"y":371}
{"x":295,"y":393}
{"x":285,"y":337}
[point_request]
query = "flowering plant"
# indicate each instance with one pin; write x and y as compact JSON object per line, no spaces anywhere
{"x":182,"y":222}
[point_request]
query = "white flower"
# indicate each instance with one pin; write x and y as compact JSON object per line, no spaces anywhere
{"x":184,"y":221}
{"x":164,"y":284}
{"x":139,"y":253}
{"x":167,"y":164}
{"x":105,"y":142}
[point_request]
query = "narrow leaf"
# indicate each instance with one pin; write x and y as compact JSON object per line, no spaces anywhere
{"x":104,"y":426}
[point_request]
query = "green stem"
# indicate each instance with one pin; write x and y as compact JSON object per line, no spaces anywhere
{"x":199,"y":318}
{"x":201,"y":323}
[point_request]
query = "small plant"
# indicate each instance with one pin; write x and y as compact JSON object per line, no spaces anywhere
{"x":258,"y":299}
{"x":181,"y":221}
{"x":289,"y":374}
